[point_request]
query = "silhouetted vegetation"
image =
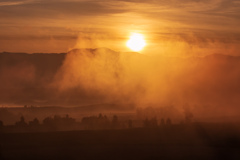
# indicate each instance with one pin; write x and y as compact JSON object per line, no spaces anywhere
{"x":34,"y":123}
{"x":150,"y":123}
{"x":94,"y":122}
{"x":144,"y":117}
{"x":61,"y":123}
{"x":162,"y":121}
{"x":168,"y":122}
{"x":108,"y":135}
{"x":130,"y":124}
{"x":21,"y":123}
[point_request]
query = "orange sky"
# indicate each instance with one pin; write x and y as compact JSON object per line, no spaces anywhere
{"x":172,"y":28}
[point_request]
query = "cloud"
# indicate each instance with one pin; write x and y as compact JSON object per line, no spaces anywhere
{"x":54,"y":9}
{"x":14,"y":2}
{"x":190,"y":21}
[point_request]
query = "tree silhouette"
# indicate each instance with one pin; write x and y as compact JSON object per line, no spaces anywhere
{"x":130,"y":124}
{"x":34,"y":123}
{"x":100,"y":116}
{"x":169,"y":122}
{"x":146,"y":123}
{"x":1,"y":124}
{"x":115,"y":123}
{"x":21,"y":123}
{"x":59,"y":123}
{"x":48,"y":121}
{"x":150,"y":123}
{"x":153,"y":122}
{"x":188,"y":114}
{"x":162,"y":121}
{"x":67,"y":121}
{"x":188,"y":117}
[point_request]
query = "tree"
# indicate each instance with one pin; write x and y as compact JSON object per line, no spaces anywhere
{"x":100,"y":116}
{"x":146,"y":123}
{"x":130,"y":124}
{"x":21,"y":123}
{"x":162,"y":121}
{"x":48,"y":121}
{"x":188,"y":117}
{"x":1,"y":124}
{"x":188,"y":114}
{"x":115,"y":123}
{"x":153,"y":122}
{"x":34,"y":123}
{"x":169,"y":122}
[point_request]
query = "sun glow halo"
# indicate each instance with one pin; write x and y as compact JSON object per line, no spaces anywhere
{"x":136,"y":42}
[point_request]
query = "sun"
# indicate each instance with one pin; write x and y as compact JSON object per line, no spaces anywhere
{"x":136,"y":42}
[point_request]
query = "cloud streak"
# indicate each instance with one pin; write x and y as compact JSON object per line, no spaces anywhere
{"x":188,"y":21}
{"x":14,"y":2}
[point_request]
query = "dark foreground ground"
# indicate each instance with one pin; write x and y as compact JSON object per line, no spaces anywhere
{"x":168,"y":142}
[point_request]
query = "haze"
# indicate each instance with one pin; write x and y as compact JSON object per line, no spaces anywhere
{"x":120,"y":79}
{"x":171,"y":28}
{"x":191,"y":57}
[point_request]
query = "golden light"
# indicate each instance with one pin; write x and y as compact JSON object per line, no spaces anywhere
{"x":136,"y":42}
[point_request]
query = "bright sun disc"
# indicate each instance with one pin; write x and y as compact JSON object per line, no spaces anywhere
{"x":136,"y":42}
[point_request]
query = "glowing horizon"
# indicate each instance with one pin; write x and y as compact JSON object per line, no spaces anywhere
{"x":169,"y":28}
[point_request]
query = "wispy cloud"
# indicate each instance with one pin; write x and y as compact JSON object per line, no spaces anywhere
{"x":213,"y":20}
{"x":14,"y":2}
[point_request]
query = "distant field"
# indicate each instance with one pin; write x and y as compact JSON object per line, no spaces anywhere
{"x":173,"y":142}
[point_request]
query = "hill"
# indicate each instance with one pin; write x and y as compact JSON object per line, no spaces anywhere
{"x":209,"y":85}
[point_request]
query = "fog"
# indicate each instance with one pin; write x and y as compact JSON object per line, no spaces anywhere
{"x":208,"y":86}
